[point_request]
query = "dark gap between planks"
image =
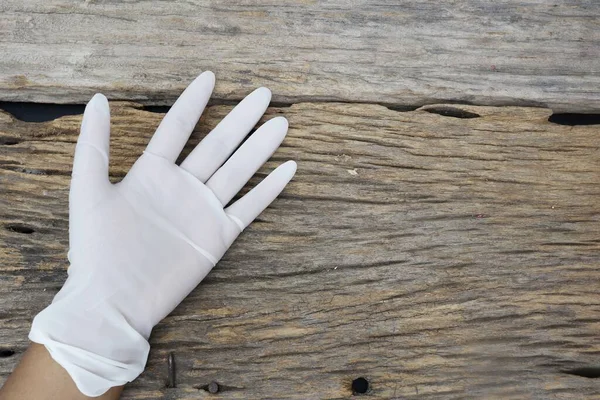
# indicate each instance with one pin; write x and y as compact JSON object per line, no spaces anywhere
{"x":39,"y":112}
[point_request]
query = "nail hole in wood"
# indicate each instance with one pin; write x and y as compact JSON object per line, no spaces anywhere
{"x":20,"y":228}
{"x":5,"y":353}
{"x":586,"y":372}
{"x":360,"y":386}
{"x":452,"y":112}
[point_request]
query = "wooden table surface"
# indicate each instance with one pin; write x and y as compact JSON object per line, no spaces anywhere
{"x":441,"y":251}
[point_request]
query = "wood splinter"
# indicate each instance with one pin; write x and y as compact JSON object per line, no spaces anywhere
{"x":171,"y":368}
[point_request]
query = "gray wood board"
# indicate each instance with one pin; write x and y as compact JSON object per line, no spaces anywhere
{"x":438,"y":257}
{"x":404,"y":53}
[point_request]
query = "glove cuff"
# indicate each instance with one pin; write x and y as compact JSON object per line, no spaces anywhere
{"x":97,"y":346}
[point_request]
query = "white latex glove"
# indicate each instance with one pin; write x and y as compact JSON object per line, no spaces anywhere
{"x":138,"y":247}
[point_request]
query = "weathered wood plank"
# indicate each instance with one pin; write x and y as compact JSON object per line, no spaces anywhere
{"x":514,"y":52}
{"x":438,"y":257}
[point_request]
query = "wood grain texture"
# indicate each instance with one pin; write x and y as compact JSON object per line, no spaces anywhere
{"x":439,"y":257}
{"x":507,"y":52}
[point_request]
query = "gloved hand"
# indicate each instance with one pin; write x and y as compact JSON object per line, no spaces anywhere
{"x":138,"y":247}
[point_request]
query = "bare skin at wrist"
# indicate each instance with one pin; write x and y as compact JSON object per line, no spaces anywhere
{"x":39,"y":377}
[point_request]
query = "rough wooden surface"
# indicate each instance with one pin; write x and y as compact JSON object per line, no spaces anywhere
{"x":438,"y":257}
{"x":515,"y":52}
